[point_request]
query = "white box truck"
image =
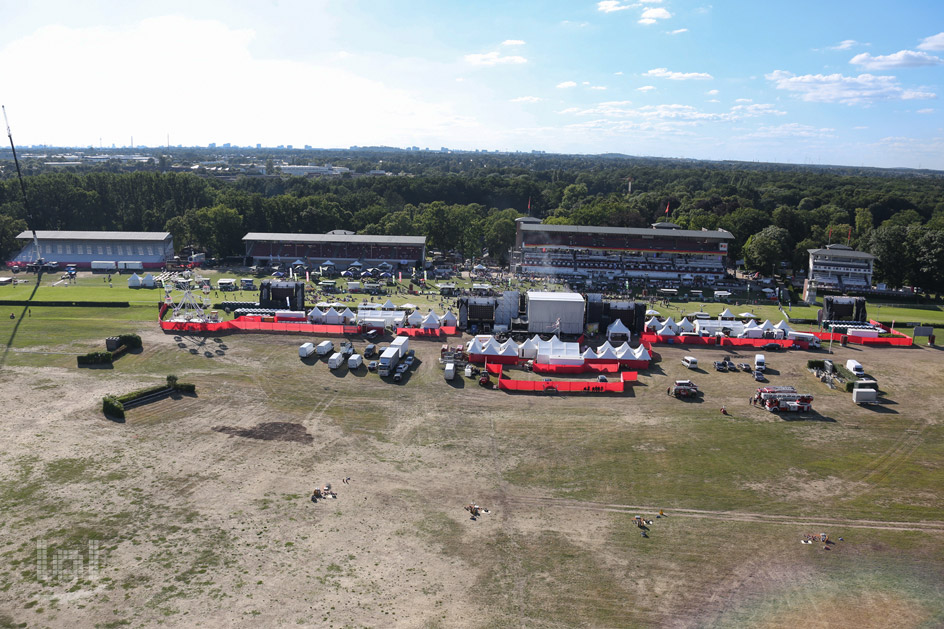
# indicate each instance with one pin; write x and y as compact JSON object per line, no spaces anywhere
{"x":806,"y":337}
{"x":864,"y":396}
{"x":402,"y":342}
{"x":388,"y":361}
{"x":324,"y":348}
{"x":355,"y":361}
{"x":306,"y":349}
{"x":450,"y":371}
{"x":855,"y":367}
{"x":336,"y":360}
{"x":760,"y":363}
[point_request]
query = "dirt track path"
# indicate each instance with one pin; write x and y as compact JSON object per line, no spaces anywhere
{"x":930,"y":526}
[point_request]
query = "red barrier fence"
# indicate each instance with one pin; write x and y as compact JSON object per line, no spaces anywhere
{"x":255,"y":324}
{"x":678,"y":340}
{"x":494,"y":368}
{"x":898,"y":340}
{"x":420,"y":332}
{"x":607,"y":367}
{"x":500,"y":360}
{"x":735,"y":342}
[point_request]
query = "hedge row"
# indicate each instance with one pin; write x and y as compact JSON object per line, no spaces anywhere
{"x":95,"y":358}
{"x":112,"y":407}
{"x":816,"y":364}
{"x":133,"y":341}
{"x":130,"y":397}
{"x":65,"y":304}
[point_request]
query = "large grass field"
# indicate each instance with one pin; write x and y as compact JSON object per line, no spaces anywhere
{"x":201,"y":505}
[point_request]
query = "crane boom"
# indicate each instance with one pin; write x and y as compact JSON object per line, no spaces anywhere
{"x":19,"y":176}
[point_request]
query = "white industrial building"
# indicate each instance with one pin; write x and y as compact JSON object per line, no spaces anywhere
{"x":561,"y":313}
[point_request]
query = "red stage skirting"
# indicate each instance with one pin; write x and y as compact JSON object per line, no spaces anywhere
{"x":607,"y":367}
{"x":494,"y":368}
{"x":566,"y":386}
{"x":255,"y":324}
{"x":447,"y":330}
{"x":785,"y":343}
{"x":899,"y":340}
{"x":499,"y":360}
{"x":649,"y":339}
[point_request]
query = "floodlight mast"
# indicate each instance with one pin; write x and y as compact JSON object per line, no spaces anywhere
{"x":19,"y":176}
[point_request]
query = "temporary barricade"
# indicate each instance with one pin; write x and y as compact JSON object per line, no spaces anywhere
{"x":494,"y":368}
{"x":420,"y":332}
{"x":896,"y":340}
{"x":566,"y":386}
{"x":736,"y":342}
{"x":678,"y":340}
{"x":256,"y":324}
{"x":587,"y":367}
{"x":493,"y":358}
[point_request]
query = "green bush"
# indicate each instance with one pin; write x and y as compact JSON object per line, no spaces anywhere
{"x":186,"y":387}
{"x":133,"y":341}
{"x":850,"y":386}
{"x":95,"y":358}
{"x":846,"y":375}
{"x":112,"y":407}
{"x":815,"y":364}
{"x":172,"y":381}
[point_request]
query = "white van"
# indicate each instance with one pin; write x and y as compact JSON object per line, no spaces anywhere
{"x":855,"y":367}
{"x":324,"y":348}
{"x":355,"y":361}
{"x":306,"y":349}
{"x":450,"y":371}
{"x":691,"y":362}
{"x":336,"y":360}
{"x":760,"y":363}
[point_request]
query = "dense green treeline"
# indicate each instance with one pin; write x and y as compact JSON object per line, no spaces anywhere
{"x":469,"y":202}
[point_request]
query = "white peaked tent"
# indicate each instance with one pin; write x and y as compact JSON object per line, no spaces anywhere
{"x":134,"y":281}
{"x":685,"y":325}
{"x":148,"y":281}
{"x":783,"y":325}
{"x":666,"y":331}
{"x":767,"y":325}
{"x":491,"y":347}
{"x":750,"y":325}
{"x":415,"y":319}
{"x":641,"y":353}
{"x":430,"y":321}
{"x":509,"y":348}
{"x":624,"y":352}
{"x":589,"y":354}
{"x":726,"y":315}
{"x":332,"y":316}
{"x":615,"y":329}
{"x":653,"y":323}
{"x":348,"y":316}
{"x":449,"y":319}
{"x":528,"y":349}
{"x":389,"y":305}
{"x":607,"y":352}
{"x":672,"y":325}
{"x":315,"y":315}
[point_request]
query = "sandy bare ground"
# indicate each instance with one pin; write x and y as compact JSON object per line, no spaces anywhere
{"x":202,"y":504}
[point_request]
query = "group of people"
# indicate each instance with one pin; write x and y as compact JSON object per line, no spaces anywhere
{"x":475,"y":510}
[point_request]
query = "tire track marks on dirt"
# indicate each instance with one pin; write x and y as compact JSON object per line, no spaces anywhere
{"x":932,"y":526}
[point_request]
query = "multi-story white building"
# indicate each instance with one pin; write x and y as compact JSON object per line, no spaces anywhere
{"x":839,"y":267}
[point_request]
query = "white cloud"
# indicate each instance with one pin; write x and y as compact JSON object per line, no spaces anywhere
{"x":846,"y":44}
{"x":926,"y":110}
{"x":489,"y":59}
{"x":849,"y":90}
{"x":513,"y":42}
{"x":585,"y":82}
{"x":744,"y":100}
{"x":566,"y":84}
{"x":598,"y":87}
{"x":678,"y":31}
{"x":900,"y":59}
{"x":527,"y":99}
{"x":620,"y":73}
{"x":712,"y":92}
{"x":665,"y":73}
{"x":646,"y":88}
{"x":610,"y":6}
{"x":792,"y":130}
{"x":575,"y":24}
{"x":649,"y":16}
{"x":673,"y":112}
{"x":934,"y":42}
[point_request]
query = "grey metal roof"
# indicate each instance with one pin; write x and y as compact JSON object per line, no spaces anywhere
{"x":842,"y":253}
{"x":351,"y":238}
{"x":77,"y":235}
{"x":629,"y":231}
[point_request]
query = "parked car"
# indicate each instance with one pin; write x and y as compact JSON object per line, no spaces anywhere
{"x":408,"y":361}
{"x":773,"y":347}
{"x":745,"y":367}
{"x":370,"y":351}
{"x":602,"y":378}
{"x":759,"y":376}
{"x":372,"y":335}
{"x":372,"y":365}
{"x":721,"y":365}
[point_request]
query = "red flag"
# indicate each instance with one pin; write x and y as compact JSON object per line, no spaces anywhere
{"x":667,"y":208}
{"x":529,"y":205}
{"x":830,"y":237}
{"x":849,"y":237}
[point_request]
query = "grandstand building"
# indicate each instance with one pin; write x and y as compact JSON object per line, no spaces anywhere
{"x":341,"y":249}
{"x":664,"y":251}
{"x":838,"y":267}
{"x":124,"y":250}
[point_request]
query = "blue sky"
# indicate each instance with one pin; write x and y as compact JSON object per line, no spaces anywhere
{"x":855,"y":83}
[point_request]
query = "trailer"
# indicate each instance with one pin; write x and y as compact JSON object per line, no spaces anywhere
{"x":864,"y":396}
{"x":103,"y":266}
{"x":226,"y":285}
{"x":388,"y":361}
{"x":806,"y":337}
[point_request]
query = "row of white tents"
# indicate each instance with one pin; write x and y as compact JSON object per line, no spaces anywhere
{"x":554,"y":351}
{"x":381,"y":318}
{"x":751,"y":329}
{"x":136,"y":281}
{"x":431,"y":320}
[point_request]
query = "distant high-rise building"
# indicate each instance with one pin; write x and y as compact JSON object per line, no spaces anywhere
{"x":211,"y":145}
{"x":258,"y":146}
{"x":226,"y":145}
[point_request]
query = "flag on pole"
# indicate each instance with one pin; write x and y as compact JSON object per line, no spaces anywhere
{"x":830,"y":237}
{"x":667,"y":208}
{"x":307,"y":276}
{"x":529,"y":205}
{"x":849,"y":237}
